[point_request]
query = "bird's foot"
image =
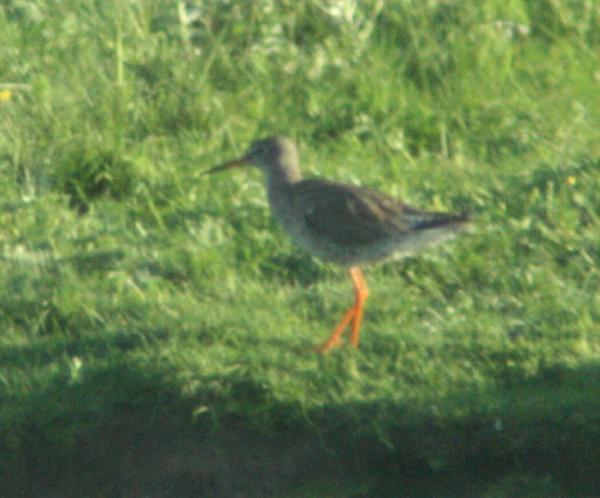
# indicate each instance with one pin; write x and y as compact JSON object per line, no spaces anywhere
{"x":332,"y":342}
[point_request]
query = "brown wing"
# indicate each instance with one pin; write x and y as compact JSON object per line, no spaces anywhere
{"x":350,"y":215}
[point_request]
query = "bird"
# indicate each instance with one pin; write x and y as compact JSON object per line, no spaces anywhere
{"x":343,"y":224}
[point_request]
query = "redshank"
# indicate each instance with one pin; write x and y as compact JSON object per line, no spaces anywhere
{"x":343,"y":224}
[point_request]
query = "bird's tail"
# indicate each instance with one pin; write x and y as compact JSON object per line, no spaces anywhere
{"x":426,"y":220}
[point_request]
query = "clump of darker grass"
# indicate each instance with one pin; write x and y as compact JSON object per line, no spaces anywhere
{"x":85,"y":175}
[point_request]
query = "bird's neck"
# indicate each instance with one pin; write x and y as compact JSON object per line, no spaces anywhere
{"x":279,"y":185}
{"x":285,"y":174}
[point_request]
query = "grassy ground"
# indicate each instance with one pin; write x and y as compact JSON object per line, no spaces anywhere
{"x":156,"y":325}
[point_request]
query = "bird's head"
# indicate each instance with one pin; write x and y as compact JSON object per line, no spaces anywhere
{"x":274,"y":155}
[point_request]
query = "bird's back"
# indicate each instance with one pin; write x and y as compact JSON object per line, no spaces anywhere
{"x":349,"y":224}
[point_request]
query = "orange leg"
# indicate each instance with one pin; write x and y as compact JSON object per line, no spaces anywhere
{"x":354,"y":314}
{"x":361,"y":294}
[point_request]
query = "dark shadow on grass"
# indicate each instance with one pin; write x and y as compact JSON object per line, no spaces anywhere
{"x":126,"y":429}
{"x":47,"y":350}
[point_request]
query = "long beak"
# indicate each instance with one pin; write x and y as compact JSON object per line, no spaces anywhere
{"x":236,"y":163}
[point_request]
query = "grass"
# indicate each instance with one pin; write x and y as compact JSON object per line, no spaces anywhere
{"x":156,"y":325}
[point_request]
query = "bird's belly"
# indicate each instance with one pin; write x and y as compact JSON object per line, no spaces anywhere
{"x":349,"y":254}
{"x":324,"y":248}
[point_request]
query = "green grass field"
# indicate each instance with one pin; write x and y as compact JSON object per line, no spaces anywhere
{"x":156,"y":325}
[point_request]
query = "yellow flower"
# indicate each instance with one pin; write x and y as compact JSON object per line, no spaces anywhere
{"x":571,"y":181}
{"x":5,"y":95}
